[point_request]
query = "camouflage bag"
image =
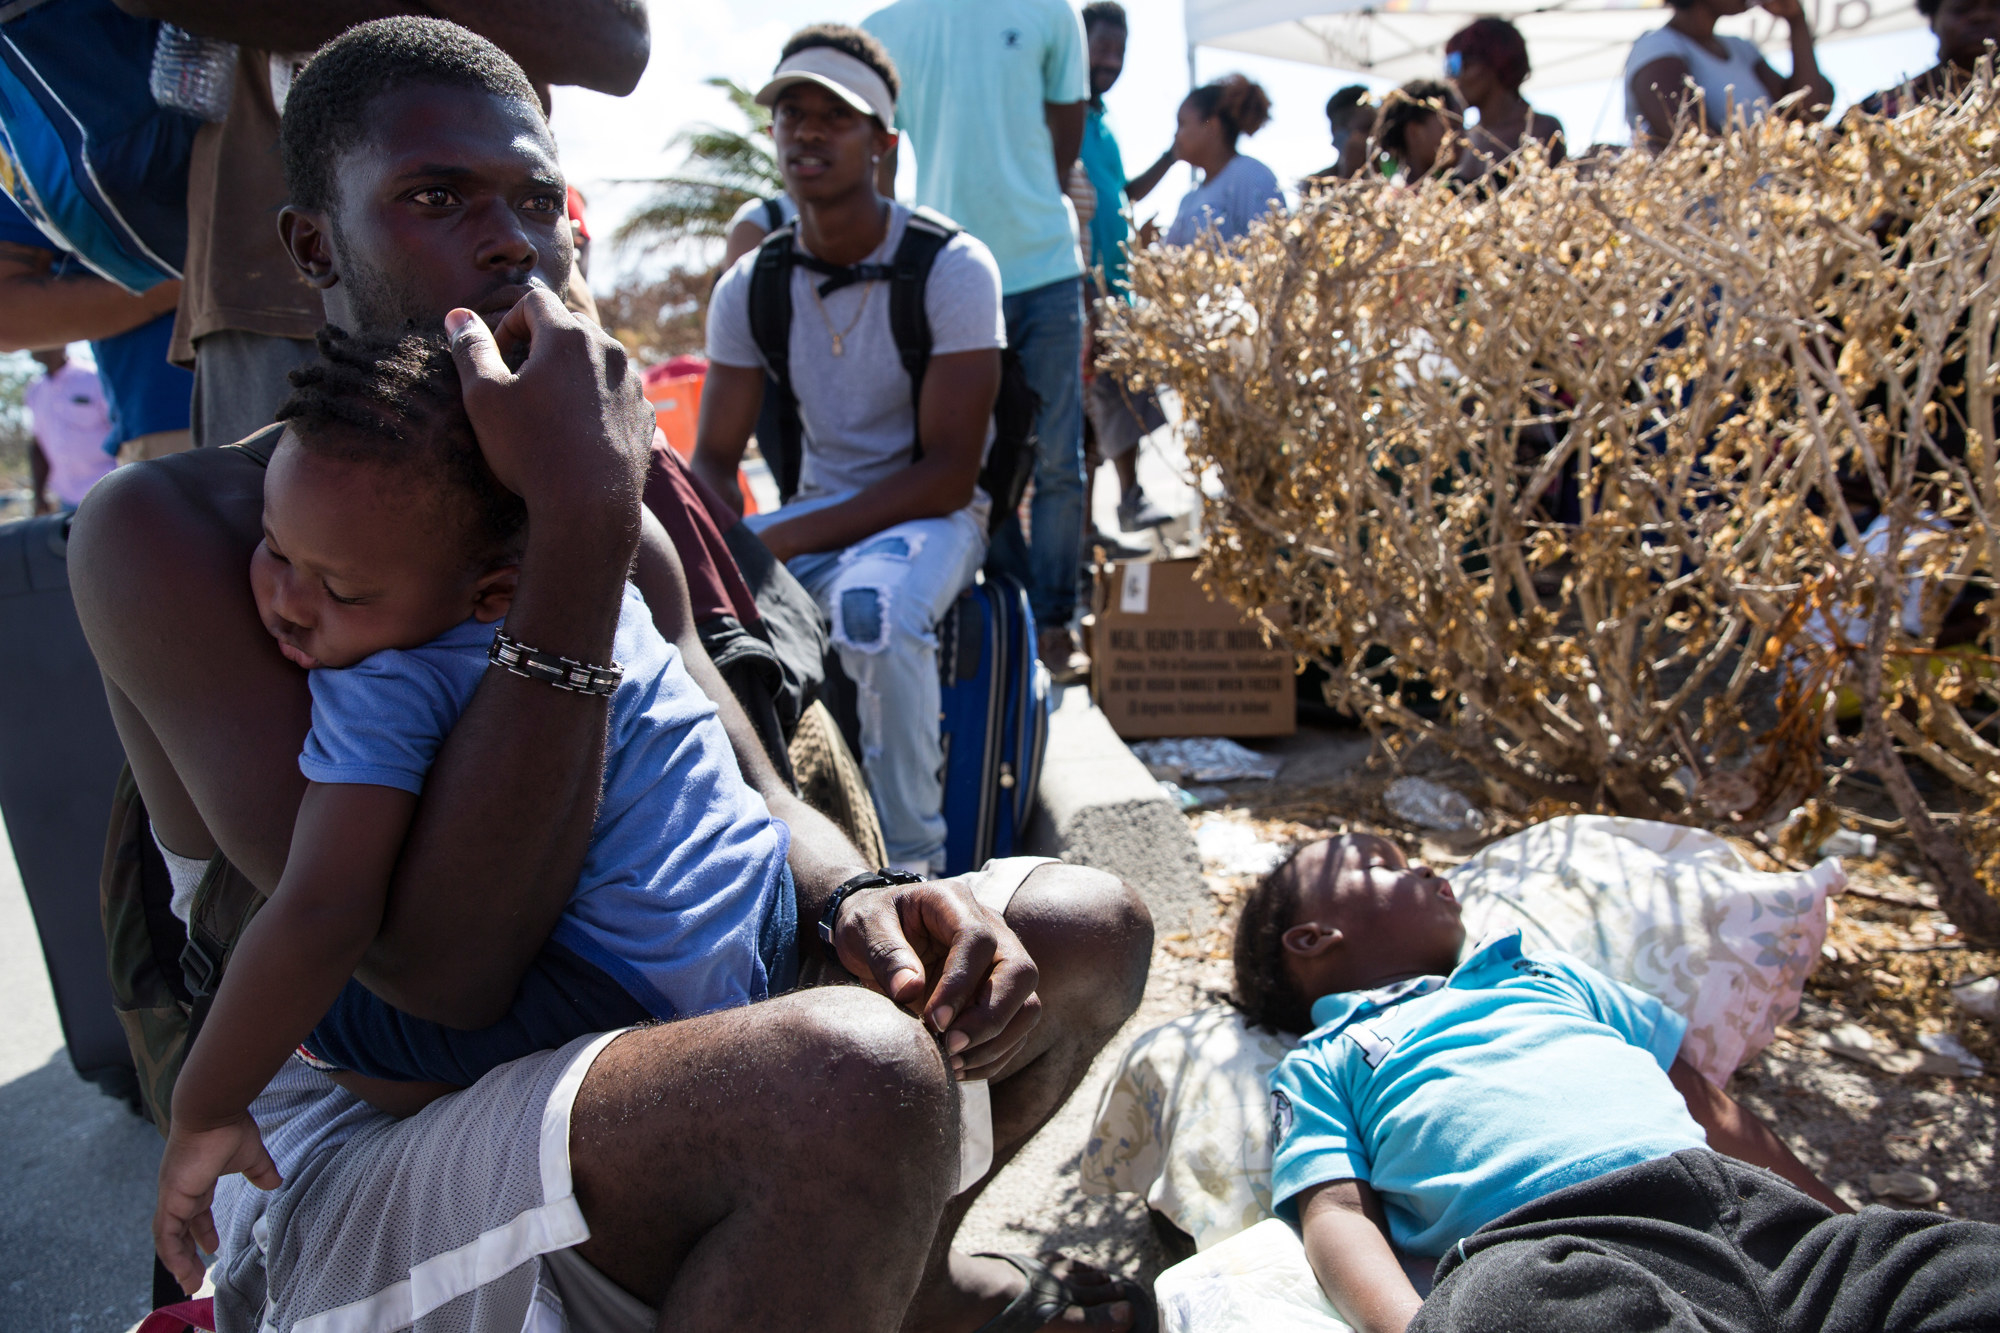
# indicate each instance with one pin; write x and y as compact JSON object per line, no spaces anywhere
{"x":163,"y":975}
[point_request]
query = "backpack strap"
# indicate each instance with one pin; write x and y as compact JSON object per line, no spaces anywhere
{"x":924,"y":237}
{"x":771,"y":305}
{"x":774,"y":213}
{"x":771,"y":330}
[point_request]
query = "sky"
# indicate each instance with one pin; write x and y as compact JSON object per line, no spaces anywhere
{"x":604,"y":139}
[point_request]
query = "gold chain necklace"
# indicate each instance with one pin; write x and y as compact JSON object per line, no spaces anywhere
{"x":839,"y":336}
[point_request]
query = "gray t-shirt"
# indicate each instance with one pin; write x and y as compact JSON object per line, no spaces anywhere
{"x":1230,"y":200}
{"x":758,"y":209}
{"x":855,"y":408}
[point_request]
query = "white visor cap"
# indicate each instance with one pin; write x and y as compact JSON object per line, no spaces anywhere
{"x":840,"y":74}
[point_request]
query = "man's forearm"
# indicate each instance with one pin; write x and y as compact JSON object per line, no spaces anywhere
{"x":1806,"y":72}
{"x":720,"y":477}
{"x":932,"y":487}
{"x":598,"y":44}
{"x":38,"y":309}
{"x":1148,"y":180}
{"x":509,"y":805}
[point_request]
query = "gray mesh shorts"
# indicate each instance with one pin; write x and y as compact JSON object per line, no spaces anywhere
{"x":435,"y":1223}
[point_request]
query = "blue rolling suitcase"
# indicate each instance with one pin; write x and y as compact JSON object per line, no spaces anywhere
{"x":994,"y":717}
{"x":59,"y":761}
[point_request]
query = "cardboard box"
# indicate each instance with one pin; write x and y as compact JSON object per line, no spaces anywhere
{"x":1168,"y":661}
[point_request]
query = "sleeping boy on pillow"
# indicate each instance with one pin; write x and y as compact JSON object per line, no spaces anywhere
{"x":1530,"y":1120}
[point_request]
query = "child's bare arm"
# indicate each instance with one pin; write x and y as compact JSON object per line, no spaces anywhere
{"x":283,"y":976}
{"x":1347,"y":1241}
{"x":300,"y":950}
{"x":1736,"y":1132}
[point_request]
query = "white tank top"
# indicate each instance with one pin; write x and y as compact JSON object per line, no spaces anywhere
{"x":1724,"y":83}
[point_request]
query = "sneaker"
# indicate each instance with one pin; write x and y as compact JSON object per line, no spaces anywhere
{"x":1137,"y":512}
{"x":1058,"y":649}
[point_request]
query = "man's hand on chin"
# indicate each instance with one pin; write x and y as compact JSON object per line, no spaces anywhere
{"x":934,"y":950}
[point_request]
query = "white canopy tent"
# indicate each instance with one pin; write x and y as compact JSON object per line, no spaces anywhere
{"x":1569,"y":41}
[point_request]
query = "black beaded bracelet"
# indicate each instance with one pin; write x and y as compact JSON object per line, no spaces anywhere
{"x":873,"y":879}
{"x":562,"y":672}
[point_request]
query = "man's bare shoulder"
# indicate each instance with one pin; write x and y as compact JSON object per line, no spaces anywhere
{"x":167,"y":527}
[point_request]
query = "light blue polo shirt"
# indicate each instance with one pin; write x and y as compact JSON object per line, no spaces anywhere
{"x":976,"y":75}
{"x":1460,"y":1099}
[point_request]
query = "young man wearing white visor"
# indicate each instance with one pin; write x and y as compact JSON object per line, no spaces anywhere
{"x":888,"y":524}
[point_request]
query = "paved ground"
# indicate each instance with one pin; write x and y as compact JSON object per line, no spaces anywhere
{"x":76,"y":1168}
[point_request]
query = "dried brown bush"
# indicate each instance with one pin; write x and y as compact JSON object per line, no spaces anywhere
{"x":1722,"y":355}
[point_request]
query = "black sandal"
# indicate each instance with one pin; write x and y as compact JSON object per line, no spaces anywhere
{"x":1046,"y":1296}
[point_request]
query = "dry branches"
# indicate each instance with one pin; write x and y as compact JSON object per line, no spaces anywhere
{"x":1635,"y":464}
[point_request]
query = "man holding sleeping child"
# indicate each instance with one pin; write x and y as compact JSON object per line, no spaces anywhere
{"x":724,"y":1170}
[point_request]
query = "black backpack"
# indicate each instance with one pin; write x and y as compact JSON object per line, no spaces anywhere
{"x":1010,"y":462}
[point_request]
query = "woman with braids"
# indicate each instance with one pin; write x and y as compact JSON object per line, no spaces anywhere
{"x":389,"y":561}
{"x":1236,"y":189}
{"x":1531,"y":1123}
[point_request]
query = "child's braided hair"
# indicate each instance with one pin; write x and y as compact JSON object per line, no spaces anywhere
{"x":394,"y":401}
{"x":1265,"y":991}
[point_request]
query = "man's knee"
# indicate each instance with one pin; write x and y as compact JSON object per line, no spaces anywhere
{"x":1091,"y":938}
{"x":874,"y":1066}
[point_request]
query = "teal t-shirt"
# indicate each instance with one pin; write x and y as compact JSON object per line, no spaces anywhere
{"x":976,"y":76}
{"x":1108,"y":229}
{"x":1461,"y":1098}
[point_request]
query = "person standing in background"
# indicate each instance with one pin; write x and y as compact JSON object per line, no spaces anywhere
{"x":1963,"y":29}
{"x":1350,"y":121}
{"x":71,"y":423}
{"x":1418,"y":122}
{"x":246,"y":318}
{"x":1236,"y":189}
{"x":1729,"y":73}
{"x":994,"y":96}
{"x":578,"y":297}
{"x":1487,"y":62}
{"x":1116,"y":416}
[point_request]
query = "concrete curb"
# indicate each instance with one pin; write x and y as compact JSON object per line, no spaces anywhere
{"x":1098,"y":806}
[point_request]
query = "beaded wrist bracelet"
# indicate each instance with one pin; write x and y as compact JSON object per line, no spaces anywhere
{"x":562,"y":672}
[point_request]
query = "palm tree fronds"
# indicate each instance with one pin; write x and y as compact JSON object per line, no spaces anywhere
{"x":721,"y":168}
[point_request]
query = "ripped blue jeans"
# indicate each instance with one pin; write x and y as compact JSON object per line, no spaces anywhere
{"x":884,"y":597}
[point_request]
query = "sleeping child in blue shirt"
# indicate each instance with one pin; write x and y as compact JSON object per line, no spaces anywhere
{"x":389,"y":559}
{"x":1530,"y":1121}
